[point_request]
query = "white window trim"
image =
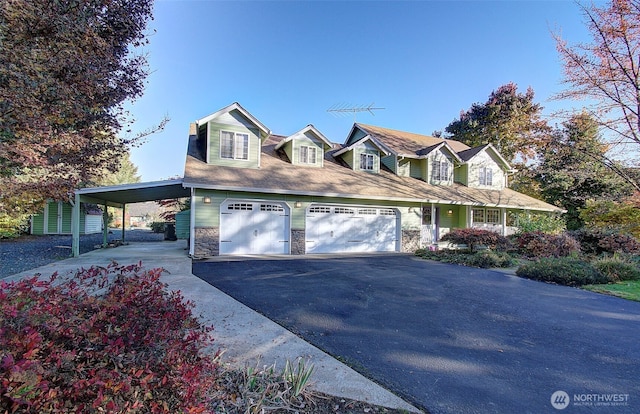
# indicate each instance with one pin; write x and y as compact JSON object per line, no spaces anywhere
{"x":473,"y":216}
{"x":309,"y":160}
{"x":485,"y":176}
{"x":366,"y":163}
{"x":486,"y":216}
{"x":438,"y":177}
{"x":234,"y":146}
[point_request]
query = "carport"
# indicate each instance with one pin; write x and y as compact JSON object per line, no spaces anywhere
{"x":119,"y":196}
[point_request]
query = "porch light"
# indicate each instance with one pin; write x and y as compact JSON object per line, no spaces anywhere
{"x":297,"y":204}
{"x":206,"y":200}
{"x":450,"y":212}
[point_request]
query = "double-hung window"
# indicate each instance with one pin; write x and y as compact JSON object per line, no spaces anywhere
{"x":477,"y":215}
{"x":486,"y":176}
{"x":307,"y":155}
{"x":234,"y":145}
{"x":493,"y":216}
{"x":366,"y":162}
{"x":440,"y":171}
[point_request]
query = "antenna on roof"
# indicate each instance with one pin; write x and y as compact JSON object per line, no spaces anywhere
{"x":343,"y":109}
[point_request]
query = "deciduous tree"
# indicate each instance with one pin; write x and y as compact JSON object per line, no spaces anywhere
{"x":509,"y":120}
{"x":67,"y":69}
{"x":568,"y":175}
{"x":606,"y":72}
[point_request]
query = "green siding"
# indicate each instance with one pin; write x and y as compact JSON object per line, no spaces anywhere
{"x":418,"y":169}
{"x":288,"y":149}
{"x":208,"y":215}
{"x":52,"y":220}
{"x":357,"y":135}
{"x":213,"y":153}
{"x":461,"y":174}
{"x":366,"y":149}
{"x":404,"y":168}
{"x":307,"y":140}
{"x":183,"y":220}
{"x":389,"y":161}
{"x":348,"y":158}
{"x":66,"y":218}
{"x":37,"y":224}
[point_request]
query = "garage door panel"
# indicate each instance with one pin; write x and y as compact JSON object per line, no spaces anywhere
{"x":335,"y":229}
{"x":251,"y":227}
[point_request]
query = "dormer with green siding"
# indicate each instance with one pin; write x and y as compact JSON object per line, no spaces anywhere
{"x":231,"y":137}
{"x":306,"y":147}
{"x":363,"y":155}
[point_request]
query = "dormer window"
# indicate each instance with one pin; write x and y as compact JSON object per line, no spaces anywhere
{"x":440,"y":171}
{"x":308,"y":155}
{"x":234,"y":145}
{"x":367,"y":162}
{"x":485,"y":176}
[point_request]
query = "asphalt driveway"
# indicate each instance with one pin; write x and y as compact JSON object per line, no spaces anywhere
{"x":448,"y":338}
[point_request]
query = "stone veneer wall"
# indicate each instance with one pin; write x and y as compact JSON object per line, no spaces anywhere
{"x":207,"y":242}
{"x":410,"y":240}
{"x":298,"y":245}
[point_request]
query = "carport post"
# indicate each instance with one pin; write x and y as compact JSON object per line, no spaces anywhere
{"x":75,"y":226}
{"x":123,"y":217}
{"x":105,"y":225}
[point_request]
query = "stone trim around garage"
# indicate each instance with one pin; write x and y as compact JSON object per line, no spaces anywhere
{"x":410,"y":240}
{"x":206,"y":242}
{"x":298,"y":242}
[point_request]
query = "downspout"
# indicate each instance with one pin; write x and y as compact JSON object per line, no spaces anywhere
{"x":504,"y":221}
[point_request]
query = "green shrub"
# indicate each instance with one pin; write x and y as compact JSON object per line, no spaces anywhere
{"x":538,"y":244}
{"x":474,"y":237}
{"x":617,"y":269}
{"x":157,"y":226}
{"x":567,"y":271}
{"x":102,"y":340}
{"x":546,"y":223}
{"x":488,"y":259}
{"x":484,"y":259}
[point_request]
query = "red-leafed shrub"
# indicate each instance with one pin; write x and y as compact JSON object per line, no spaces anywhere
{"x":103,"y":340}
{"x":473,"y":237}
{"x":596,"y":242}
{"x":538,"y":244}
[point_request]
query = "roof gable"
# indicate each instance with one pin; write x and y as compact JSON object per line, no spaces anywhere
{"x":264,"y":131}
{"x":380,"y":146}
{"x":406,"y":143}
{"x":470,"y":154}
{"x":425,"y":152}
{"x":308,"y":129}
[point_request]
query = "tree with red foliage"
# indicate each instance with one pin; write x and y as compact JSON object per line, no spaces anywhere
{"x":67,"y":69}
{"x":607,"y":72}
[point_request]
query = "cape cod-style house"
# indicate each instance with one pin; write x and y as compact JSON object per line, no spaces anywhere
{"x":382,"y":190}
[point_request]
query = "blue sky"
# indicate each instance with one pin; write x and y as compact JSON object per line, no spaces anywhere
{"x":288,"y":62}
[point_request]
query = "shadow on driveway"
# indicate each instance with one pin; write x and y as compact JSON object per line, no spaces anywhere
{"x":448,"y":338}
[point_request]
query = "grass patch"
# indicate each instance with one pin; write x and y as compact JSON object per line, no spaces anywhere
{"x":627,"y":290}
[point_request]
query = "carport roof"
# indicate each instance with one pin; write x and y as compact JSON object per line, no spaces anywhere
{"x":118,"y":195}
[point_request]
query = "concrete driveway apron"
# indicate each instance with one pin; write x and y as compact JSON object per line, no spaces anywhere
{"x":448,"y":338}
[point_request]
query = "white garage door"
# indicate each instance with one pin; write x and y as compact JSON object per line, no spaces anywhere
{"x":337,"y":229}
{"x":254,"y":227}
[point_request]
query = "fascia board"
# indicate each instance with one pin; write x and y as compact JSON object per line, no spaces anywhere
{"x":240,"y":109}
{"x":354,"y":196}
